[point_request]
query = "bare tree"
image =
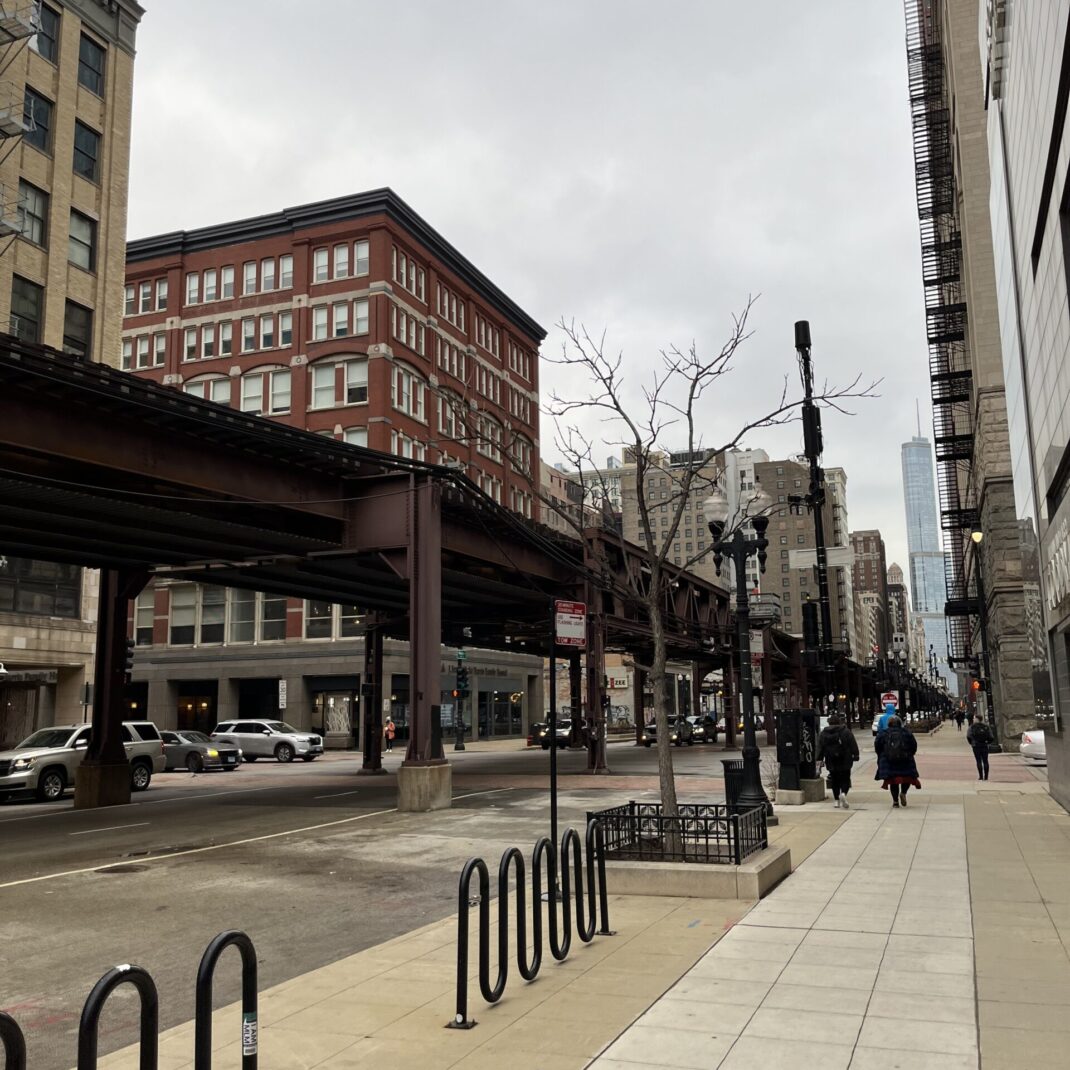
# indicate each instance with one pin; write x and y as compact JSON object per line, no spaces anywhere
{"x":660,"y":434}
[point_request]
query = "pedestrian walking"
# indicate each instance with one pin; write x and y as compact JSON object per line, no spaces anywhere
{"x":896,"y":746}
{"x":389,"y":730}
{"x":889,"y":711}
{"x":979,"y":735}
{"x":960,"y":716}
{"x":838,"y":749}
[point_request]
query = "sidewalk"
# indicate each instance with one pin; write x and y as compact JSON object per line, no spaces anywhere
{"x":928,"y":937}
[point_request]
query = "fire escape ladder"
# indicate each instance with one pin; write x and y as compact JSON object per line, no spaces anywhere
{"x":946,"y":315}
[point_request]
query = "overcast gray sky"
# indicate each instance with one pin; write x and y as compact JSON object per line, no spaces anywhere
{"x":639,"y":167}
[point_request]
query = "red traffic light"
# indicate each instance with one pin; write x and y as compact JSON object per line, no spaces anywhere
{"x":977,"y":685}
{"x":455,"y":693}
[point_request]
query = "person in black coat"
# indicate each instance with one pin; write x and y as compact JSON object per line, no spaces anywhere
{"x":838,"y":749}
{"x":979,"y":735}
{"x":896,"y":746}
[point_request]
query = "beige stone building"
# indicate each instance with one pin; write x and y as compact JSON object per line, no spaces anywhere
{"x":948,"y":88}
{"x":65,"y":103}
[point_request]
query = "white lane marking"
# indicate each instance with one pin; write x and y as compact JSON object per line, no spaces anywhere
{"x":337,"y":795}
{"x":224,"y":846}
{"x":110,"y":828}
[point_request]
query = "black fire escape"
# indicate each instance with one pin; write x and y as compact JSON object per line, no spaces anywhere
{"x":945,"y":307}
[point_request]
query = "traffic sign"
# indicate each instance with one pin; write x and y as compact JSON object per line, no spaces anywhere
{"x":570,"y":624}
{"x":462,"y":655}
{"x":890,"y":698}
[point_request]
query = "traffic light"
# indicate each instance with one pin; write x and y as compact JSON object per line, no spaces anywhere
{"x":976,"y":685}
{"x":455,"y":693}
{"x":462,"y":680}
{"x":128,"y":660}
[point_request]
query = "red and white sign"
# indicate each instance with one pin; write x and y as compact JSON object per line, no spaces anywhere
{"x":570,"y":624}
{"x":890,"y":698}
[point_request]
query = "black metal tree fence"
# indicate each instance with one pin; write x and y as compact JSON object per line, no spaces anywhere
{"x":703,"y":832}
{"x":572,"y":885}
{"x":14,"y":1042}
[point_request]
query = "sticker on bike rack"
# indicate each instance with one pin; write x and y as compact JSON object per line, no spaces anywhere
{"x":249,"y":1034}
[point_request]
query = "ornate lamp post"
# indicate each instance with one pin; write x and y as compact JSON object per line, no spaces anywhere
{"x":738,"y":548}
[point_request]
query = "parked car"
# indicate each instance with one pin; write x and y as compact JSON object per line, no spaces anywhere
{"x":680,"y":732}
{"x":1032,"y":745}
{"x":45,"y":762}
{"x":703,"y":728}
{"x":759,"y":724}
{"x":534,"y":730}
{"x":268,"y":739}
{"x":196,"y":752}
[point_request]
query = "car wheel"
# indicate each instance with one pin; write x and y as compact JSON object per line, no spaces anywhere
{"x":250,"y":757}
{"x":546,"y":746}
{"x":284,"y":753}
{"x":647,"y":745}
{"x":195,"y":763}
{"x":308,"y":757}
{"x":51,"y":785}
{"x":140,"y":776}
{"x":691,"y":742}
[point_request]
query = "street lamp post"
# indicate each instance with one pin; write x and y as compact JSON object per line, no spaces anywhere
{"x":738,"y":548}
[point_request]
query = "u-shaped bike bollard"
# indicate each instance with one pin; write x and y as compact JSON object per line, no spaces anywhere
{"x":14,"y":1043}
{"x":94,"y":1004}
{"x":560,"y":936}
{"x":202,"y":1043}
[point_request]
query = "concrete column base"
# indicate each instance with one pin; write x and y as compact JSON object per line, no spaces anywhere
{"x":425,"y":787}
{"x":813,"y":790}
{"x":101,"y":784}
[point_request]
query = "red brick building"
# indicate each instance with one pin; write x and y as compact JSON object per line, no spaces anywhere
{"x":351,"y":318}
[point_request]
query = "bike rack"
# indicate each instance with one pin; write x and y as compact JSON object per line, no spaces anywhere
{"x":14,"y":1043}
{"x":202,"y":1042}
{"x":94,"y":1004}
{"x":560,"y":941}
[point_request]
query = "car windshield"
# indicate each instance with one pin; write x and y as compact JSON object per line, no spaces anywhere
{"x":47,"y":737}
{"x":280,"y":726}
{"x":195,"y":737}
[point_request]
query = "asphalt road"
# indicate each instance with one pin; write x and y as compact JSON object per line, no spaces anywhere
{"x":313,"y":861}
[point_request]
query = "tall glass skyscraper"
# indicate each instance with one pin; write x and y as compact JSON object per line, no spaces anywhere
{"x":928,"y":586}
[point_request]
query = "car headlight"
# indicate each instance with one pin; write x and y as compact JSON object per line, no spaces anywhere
{"x":213,"y":753}
{"x":673,"y":736}
{"x":21,"y":764}
{"x":241,"y":753}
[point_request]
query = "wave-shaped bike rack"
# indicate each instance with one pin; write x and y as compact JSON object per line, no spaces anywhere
{"x":202,"y":1042}
{"x":14,"y":1043}
{"x":560,"y":937}
{"x":150,"y":1015}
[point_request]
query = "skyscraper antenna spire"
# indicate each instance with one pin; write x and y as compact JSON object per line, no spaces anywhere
{"x":917,"y":406}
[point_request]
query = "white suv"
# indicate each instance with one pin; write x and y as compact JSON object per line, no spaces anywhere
{"x":45,"y":762}
{"x":269,"y":739}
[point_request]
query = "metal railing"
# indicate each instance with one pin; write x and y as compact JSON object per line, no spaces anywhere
{"x":14,"y":1043}
{"x":703,"y":832}
{"x":202,"y":1040}
{"x":560,"y":936}
{"x":150,"y":1016}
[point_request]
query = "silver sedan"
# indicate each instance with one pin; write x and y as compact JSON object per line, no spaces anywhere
{"x":196,"y":752}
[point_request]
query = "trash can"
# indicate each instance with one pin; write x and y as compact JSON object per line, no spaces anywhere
{"x":733,"y":781}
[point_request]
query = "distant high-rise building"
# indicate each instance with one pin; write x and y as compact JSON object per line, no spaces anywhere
{"x":927,"y":584}
{"x":898,"y":602}
{"x":869,"y":574}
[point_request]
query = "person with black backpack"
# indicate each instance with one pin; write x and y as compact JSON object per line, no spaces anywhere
{"x":896,"y":746}
{"x":838,"y":749}
{"x":979,"y":735}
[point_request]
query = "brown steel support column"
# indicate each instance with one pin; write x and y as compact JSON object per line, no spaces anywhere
{"x":596,"y":710}
{"x":424,"y":777}
{"x":767,"y":687}
{"x":638,"y":708}
{"x":575,"y":699}
{"x":698,"y":673}
{"x":103,"y":779}
{"x":371,"y":695}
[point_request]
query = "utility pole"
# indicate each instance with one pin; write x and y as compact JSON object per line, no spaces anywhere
{"x":813,"y":446}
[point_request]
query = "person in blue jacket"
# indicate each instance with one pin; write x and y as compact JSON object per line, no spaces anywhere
{"x":889,"y":711}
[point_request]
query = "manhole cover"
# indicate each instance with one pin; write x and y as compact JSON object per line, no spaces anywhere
{"x":127,"y":868}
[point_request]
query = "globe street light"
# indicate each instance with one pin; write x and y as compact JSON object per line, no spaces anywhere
{"x":738,"y":548}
